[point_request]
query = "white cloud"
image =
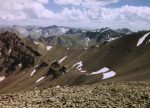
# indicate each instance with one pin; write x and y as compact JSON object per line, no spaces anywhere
{"x":68,"y":2}
{"x":73,"y":14}
{"x":24,"y":9}
{"x":86,"y":3}
{"x":125,"y":13}
{"x":87,"y":13}
{"x":90,"y":12}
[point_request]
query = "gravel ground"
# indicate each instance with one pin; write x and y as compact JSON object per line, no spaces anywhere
{"x":100,"y":95}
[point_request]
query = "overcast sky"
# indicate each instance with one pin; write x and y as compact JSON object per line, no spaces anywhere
{"x":133,"y":14}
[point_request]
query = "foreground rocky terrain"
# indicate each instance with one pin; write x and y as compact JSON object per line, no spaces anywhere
{"x":100,"y":95}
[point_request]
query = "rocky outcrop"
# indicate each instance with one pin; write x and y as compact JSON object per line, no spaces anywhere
{"x":56,"y":70}
{"x":14,"y":53}
{"x":41,"y":64}
{"x":101,"y":95}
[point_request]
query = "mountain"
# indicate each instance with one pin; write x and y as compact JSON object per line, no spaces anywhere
{"x":103,"y":34}
{"x":67,"y":36}
{"x":53,"y":35}
{"x":80,"y":37}
{"x":66,"y":40}
{"x":28,"y":65}
{"x":124,"y":30}
{"x":37,"y":32}
{"x":74,"y":32}
{"x":60,"y":40}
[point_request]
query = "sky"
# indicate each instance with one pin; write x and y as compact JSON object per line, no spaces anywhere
{"x":132,"y":14}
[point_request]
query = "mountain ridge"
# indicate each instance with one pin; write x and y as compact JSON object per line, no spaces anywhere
{"x":67,"y":36}
{"x":116,"y":60}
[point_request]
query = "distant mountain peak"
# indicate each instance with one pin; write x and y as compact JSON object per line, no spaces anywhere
{"x":124,"y":30}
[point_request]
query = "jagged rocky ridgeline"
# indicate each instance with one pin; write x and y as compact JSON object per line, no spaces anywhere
{"x":67,"y":36}
{"x":15,"y":54}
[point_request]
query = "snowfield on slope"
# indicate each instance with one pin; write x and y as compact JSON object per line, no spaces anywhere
{"x":49,"y":48}
{"x":112,"y":39}
{"x":106,"y":73}
{"x":33,"y":72}
{"x":36,"y":42}
{"x":61,"y":60}
{"x":9,"y":51}
{"x":40,"y":79}
{"x":2,"y":78}
{"x":103,"y":70}
{"x":141,"y":40}
{"x":20,"y":64}
{"x":79,"y":66}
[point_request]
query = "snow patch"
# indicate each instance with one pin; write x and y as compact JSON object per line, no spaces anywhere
{"x":40,"y":79}
{"x":49,"y":48}
{"x":108,"y":75}
{"x":83,"y":71}
{"x":112,"y":39}
{"x":2,"y":78}
{"x":79,"y":66}
{"x":37,"y":66}
{"x":141,"y":40}
{"x":87,"y":40}
{"x":61,"y":60}
{"x":20,"y":65}
{"x":36,"y":42}
{"x":103,"y":70}
{"x":33,"y":72}
{"x":9,"y":51}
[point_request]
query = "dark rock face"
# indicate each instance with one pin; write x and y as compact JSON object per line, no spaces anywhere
{"x":14,"y":53}
{"x":56,"y":70}
{"x":107,"y":35}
